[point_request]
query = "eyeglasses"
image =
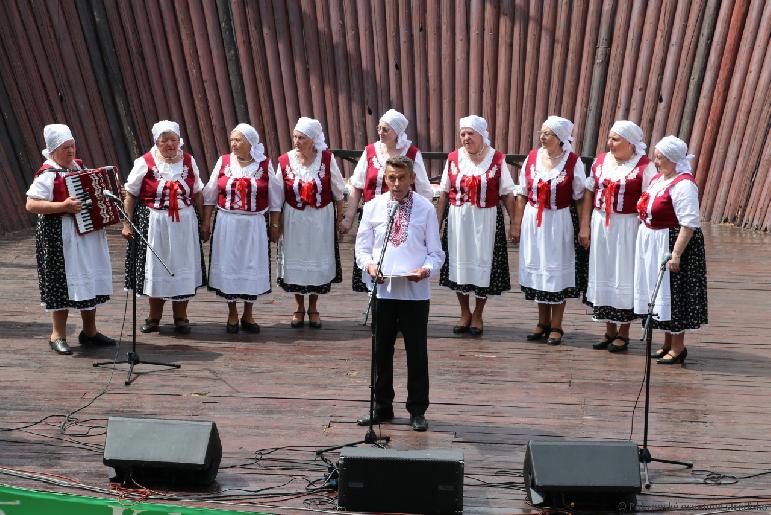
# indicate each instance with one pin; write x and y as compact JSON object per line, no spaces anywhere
{"x":547,"y":134}
{"x":383,"y":130}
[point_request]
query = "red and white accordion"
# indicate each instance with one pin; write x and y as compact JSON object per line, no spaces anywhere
{"x":88,"y":186}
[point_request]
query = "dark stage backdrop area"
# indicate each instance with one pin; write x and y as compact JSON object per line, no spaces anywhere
{"x":700,"y":69}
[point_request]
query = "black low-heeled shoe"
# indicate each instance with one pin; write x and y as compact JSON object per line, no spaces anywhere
{"x":460,"y":329}
{"x":555,"y":341}
{"x":604,"y":343}
{"x":151,"y":325}
{"x":475,"y":331}
{"x":60,"y":346}
{"x":659,"y":353}
{"x":181,"y":325}
{"x":540,"y":335}
{"x":231,"y":328}
{"x":249,"y":327}
{"x":680,"y":358}
{"x":612,"y":347}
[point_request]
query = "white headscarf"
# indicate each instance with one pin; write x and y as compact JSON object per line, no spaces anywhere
{"x":166,"y":126}
{"x":478,"y":124}
{"x":676,"y":150}
{"x":398,"y":122}
{"x":55,"y":134}
{"x":631,"y":132}
{"x":251,"y":135}
{"x":562,"y":128}
{"x":312,"y":129}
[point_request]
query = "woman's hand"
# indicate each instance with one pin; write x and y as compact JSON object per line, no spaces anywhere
{"x":584,"y":239}
{"x":72,"y":205}
{"x":514,"y":233}
{"x":345,"y":225}
{"x":126,"y":232}
{"x":674,"y":263}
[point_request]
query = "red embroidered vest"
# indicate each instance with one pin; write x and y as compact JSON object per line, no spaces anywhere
{"x":618,"y":196}
{"x":480,"y":190}
{"x":157,"y":192}
{"x":662,"y":213}
{"x":316,"y":193}
{"x":373,"y":172}
{"x":243,"y":193}
{"x":60,"y":193}
{"x":557,"y":191}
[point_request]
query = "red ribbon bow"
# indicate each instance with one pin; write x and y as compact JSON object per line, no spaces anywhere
{"x":242,"y":186}
{"x":474,"y":183}
{"x":543,"y":197}
{"x":308,"y":192}
{"x":610,"y":192}
{"x":642,"y":206}
{"x":173,"y":187}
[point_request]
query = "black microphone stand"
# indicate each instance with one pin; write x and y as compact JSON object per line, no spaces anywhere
{"x":644,"y":453}
{"x":370,"y":437}
{"x":132,"y":357}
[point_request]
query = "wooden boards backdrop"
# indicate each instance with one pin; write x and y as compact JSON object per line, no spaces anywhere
{"x":700,"y":69}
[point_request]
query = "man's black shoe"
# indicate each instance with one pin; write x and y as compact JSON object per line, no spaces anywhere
{"x":418,"y":423}
{"x":377,"y":419}
{"x":60,"y":346}
{"x":97,"y":339}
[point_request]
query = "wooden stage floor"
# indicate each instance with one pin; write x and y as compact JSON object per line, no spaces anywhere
{"x":280,"y":395}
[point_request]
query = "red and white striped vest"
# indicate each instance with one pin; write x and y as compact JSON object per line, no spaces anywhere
{"x":376,"y":171}
{"x":316,"y":193}
{"x":479,"y":190}
{"x":242,"y":193}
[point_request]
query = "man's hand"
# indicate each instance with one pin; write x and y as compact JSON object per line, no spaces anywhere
{"x":418,"y":275}
{"x":372,"y":271}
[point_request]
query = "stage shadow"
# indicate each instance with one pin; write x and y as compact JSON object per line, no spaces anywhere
{"x":13,"y":330}
{"x":173,"y":352}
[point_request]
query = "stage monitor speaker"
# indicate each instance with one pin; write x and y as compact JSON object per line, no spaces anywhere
{"x":582,"y":474}
{"x":385,"y":480}
{"x":168,"y":452}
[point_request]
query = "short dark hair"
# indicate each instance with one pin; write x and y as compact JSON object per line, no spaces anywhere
{"x":403,"y":162}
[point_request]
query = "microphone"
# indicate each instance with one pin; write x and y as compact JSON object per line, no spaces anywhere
{"x":666,"y":258}
{"x":393,"y":210}
{"x":110,"y":194}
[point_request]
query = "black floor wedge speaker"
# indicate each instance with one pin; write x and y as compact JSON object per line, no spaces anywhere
{"x":162,"y":452}
{"x":582,"y":474}
{"x":386,"y":480}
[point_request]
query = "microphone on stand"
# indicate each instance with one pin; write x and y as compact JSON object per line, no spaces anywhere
{"x":111,"y":195}
{"x":393,"y":210}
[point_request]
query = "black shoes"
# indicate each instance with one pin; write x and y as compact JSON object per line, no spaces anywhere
{"x":231,"y":328}
{"x":181,"y":325}
{"x":418,"y":423}
{"x":612,"y":347}
{"x":249,"y":327}
{"x":460,"y":329}
{"x":151,"y":325}
{"x":379,"y":417}
{"x":473,"y":331}
{"x":315,"y":324}
{"x":555,"y":341}
{"x":543,"y":334}
{"x":680,"y":358}
{"x":604,"y":343}
{"x":60,"y":346}
{"x":98,"y":339}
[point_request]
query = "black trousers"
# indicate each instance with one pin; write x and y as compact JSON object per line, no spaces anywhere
{"x":411,"y":318}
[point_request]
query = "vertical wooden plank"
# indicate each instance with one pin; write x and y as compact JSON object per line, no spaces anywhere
{"x":716,"y":111}
{"x":749,"y":61}
{"x":406,"y":42}
{"x":382,"y":69}
{"x":341,"y":70}
{"x":671,"y":69}
{"x":706,"y":32}
{"x":448,"y":75}
{"x":653,"y":90}
{"x":235,"y":76}
{"x":274,"y":15}
{"x":280,"y":107}
{"x":761,"y":189}
{"x":242,"y":42}
{"x":436,"y":67}
{"x":504,"y":88}
{"x":597,"y":90}
{"x":356,"y":98}
{"x":561,"y":41}
{"x":585,"y":80}
{"x":545,"y":50}
{"x":687,"y":55}
{"x":490,"y":70}
{"x":476,"y":56}
{"x":394,"y":73}
{"x":618,"y":56}
{"x":572,"y":70}
{"x":326,"y":46}
{"x":642,"y":70}
{"x":217,"y":54}
{"x":517,"y":80}
{"x":12,"y":136}
{"x":631,"y":55}
{"x":420,"y":128}
{"x":527,"y":134}
{"x":461,"y":63}
{"x":316,"y":79}
{"x":147,"y":54}
{"x":369,"y":71}
{"x":290,"y":24}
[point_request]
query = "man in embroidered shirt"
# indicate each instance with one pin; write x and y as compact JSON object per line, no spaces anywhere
{"x":413,"y":254}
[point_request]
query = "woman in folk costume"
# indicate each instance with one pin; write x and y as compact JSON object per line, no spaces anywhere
{"x":74,"y":270}
{"x":476,"y":179}
{"x":306,"y":226}
{"x":368,"y":176}
{"x":669,"y":211}
{"x":243,"y":186}
{"x":163,"y":192}
{"x":615,"y":183}
{"x":550,"y":268}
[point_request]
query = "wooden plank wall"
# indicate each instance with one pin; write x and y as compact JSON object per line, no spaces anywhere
{"x":110,"y":69}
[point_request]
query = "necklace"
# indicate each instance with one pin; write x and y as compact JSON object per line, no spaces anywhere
{"x":556,"y":156}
